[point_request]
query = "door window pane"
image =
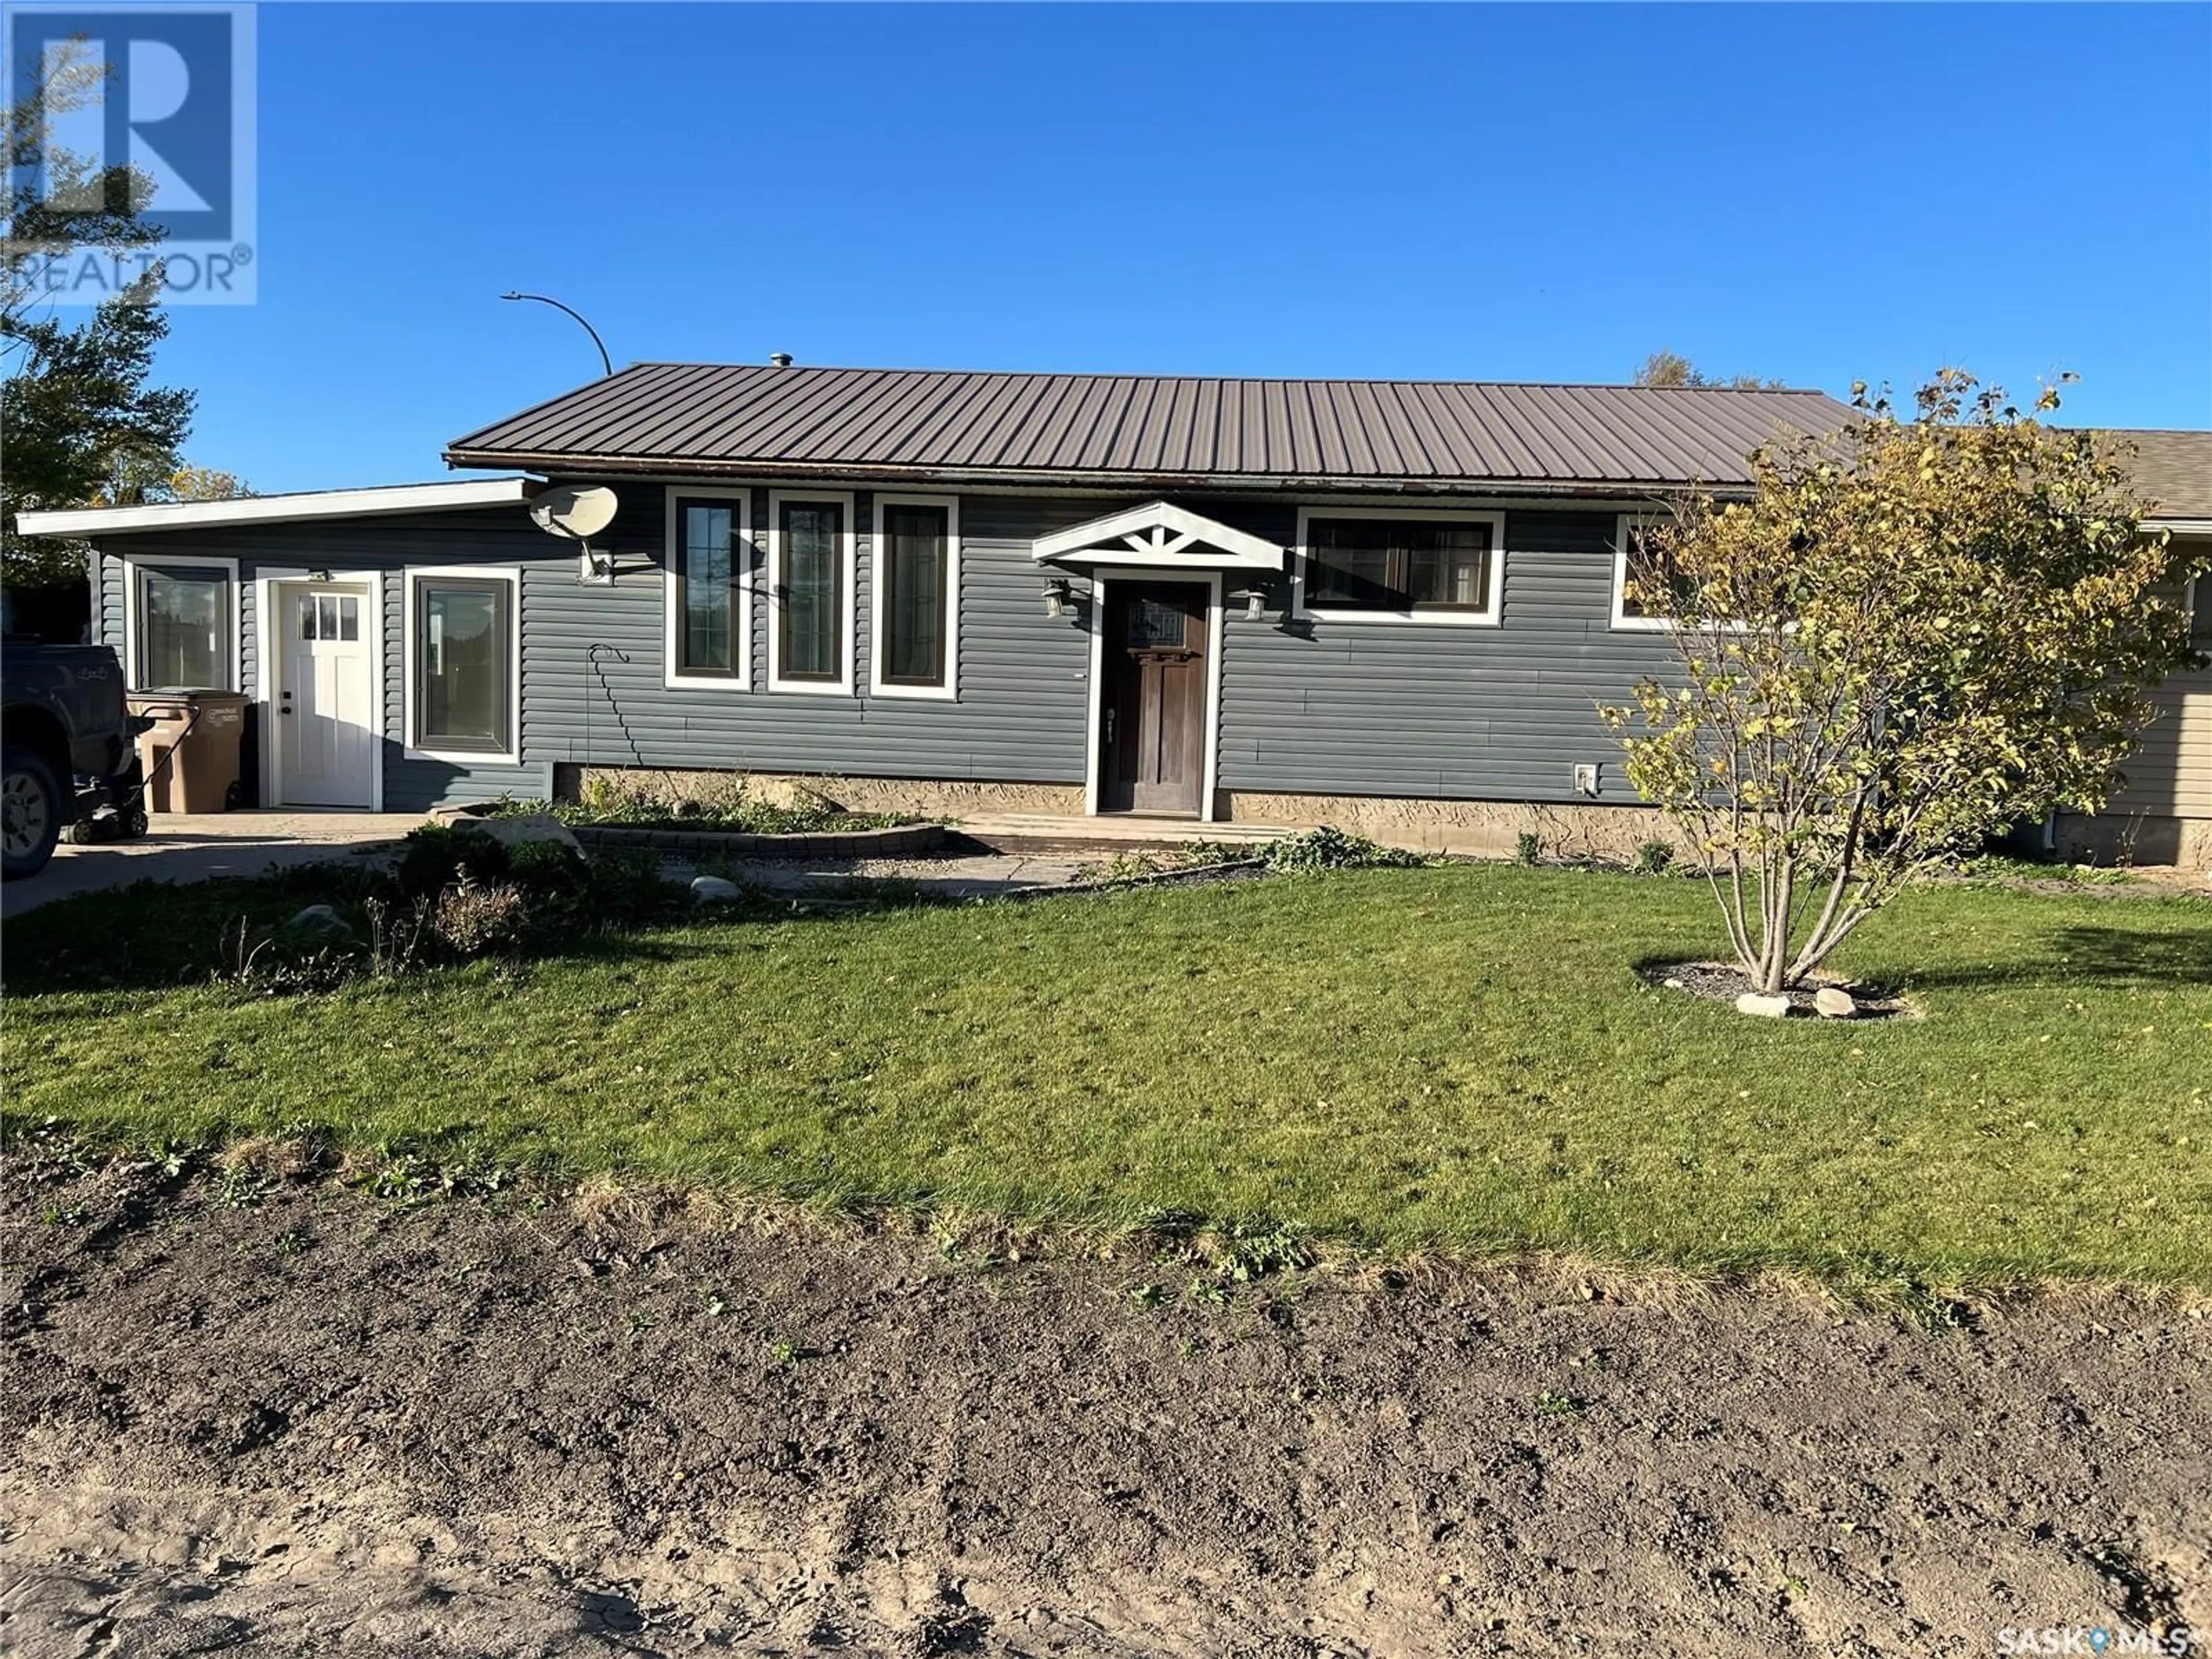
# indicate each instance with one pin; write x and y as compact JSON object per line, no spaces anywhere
{"x":1155,"y":625}
{"x":707,"y":634}
{"x":813,"y":624}
{"x":464,"y":678}
{"x":914,"y":565}
{"x":349,"y":617}
{"x":185,"y":631}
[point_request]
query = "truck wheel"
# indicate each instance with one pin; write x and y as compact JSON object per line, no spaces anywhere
{"x":30,"y":813}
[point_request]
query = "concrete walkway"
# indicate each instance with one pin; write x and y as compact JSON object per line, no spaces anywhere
{"x":187,"y":846}
{"x":954,"y":876}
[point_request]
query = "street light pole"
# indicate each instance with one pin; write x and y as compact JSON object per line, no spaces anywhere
{"x":605,"y":361}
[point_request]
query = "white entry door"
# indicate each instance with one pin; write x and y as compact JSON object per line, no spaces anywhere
{"x":327,"y":641}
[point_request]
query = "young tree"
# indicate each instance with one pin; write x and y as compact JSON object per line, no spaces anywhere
{"x":1918,"y":631}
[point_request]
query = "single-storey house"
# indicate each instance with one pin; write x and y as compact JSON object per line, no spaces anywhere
{"x":1394,"y":606}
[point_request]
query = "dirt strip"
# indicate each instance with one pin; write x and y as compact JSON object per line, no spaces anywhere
{"x":305,"y":1420}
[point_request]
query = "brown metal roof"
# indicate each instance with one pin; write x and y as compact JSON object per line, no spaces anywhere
{"x":2174,"y":468}
{"x":710,"y":418}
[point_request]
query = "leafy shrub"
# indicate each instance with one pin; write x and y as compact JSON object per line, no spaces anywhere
{"x":1528,"y":848}
{"x":1654,"y":858}
{"x":437,"y":854}
{"x":480,"y":918}
{"x":1331,"y":848}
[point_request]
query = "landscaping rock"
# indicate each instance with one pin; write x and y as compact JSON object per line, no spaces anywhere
{"x":713,"y":889}
{"x":322,"y":919}
{"x":1834,"y":1002}
{"x":1767,"y":1007}
{"x":526,"y":827}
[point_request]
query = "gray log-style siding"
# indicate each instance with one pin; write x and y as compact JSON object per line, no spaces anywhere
{"x":1020,"y":717}
{"x":1402,"y":709}
{"x":1328,"y":707}
{"x":387,"y":545}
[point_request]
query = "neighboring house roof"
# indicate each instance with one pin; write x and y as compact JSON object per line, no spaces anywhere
{"x":737,"y":419}
{"x":2174,"y":468}
{"x":277,"y":509}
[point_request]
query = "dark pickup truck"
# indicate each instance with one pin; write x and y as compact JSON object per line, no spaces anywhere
{"x":63,"y":718}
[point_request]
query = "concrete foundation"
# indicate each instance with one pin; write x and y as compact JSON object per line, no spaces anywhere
{"x":1485,"y":828}
{"x":2134,"y":838}
{"x":922,"y":797}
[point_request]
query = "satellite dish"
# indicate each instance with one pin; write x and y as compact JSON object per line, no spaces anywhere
{"x":579,"y":513}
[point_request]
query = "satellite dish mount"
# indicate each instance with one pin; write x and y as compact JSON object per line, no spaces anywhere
{"x":578,"y":513}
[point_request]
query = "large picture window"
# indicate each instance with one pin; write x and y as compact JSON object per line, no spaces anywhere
{"x":812,"y":579}
{"x":916,"y":577}
{"x":1411,"y":566}
{"x":184,"y":629}
{"x":461,"y":672}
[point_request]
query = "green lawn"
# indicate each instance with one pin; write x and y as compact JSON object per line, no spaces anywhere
{"x":1459,"y":1055}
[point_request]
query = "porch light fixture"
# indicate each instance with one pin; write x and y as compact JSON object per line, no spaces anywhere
{"x":1056,"y":597}
{"x":1254,"y":601}
{"x":318,"y":575}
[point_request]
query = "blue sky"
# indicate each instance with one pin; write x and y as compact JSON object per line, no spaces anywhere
{"x":1812,"y":193}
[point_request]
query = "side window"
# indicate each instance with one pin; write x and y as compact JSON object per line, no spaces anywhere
{"x":1644,"y":576}
{"x":708,"y":635}
{"x":916,"y":575}
{"x":810,"y":588}
{"x":461,"y":677}
{"x":184,"y":629}
{"x":1410,"y":566}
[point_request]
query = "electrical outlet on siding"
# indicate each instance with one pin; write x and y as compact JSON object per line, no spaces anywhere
{"x":1586,"y":778}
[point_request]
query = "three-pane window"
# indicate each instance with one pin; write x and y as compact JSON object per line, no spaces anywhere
{"x":1395,"y":566}
{"x":811,"y":538}
{"x":707,"y":636}
{"x":914,"y":563}
{"x":464,"y":665}
{"x":184,"y":631}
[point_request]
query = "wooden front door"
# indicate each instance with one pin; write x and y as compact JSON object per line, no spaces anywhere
{"x":1153,"y":731}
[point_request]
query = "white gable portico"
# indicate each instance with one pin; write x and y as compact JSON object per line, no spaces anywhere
{"x":1159,"y":536}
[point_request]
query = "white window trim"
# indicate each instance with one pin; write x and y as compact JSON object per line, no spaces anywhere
{"x":849,"y":570}
{"x":878,"y":601}
{"x":1622,"y":623}
{"x":267,"y":579}
{"x":1094,"y":733}
{"x":1492,"y":614}
{"x":135,"y":565}
{"x":409,"y":613}
{"x":671,"y":607}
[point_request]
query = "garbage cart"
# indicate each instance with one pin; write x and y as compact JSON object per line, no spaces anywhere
{"x":190,"y":754}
